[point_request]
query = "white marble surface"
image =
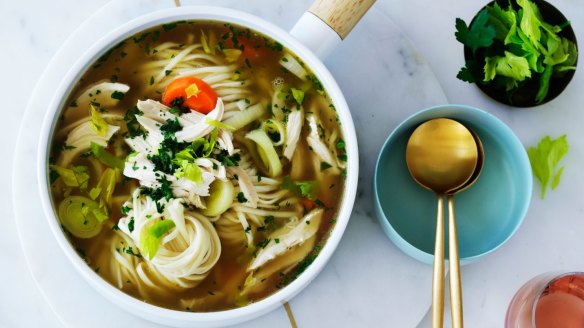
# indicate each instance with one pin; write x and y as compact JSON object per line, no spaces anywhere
{"x":549,"y":239}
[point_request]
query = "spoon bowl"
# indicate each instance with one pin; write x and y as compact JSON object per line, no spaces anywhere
{"x":479,"y":167}
{"x":441,"y":155}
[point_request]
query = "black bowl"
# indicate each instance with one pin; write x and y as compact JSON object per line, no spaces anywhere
{"x":524,"y":96}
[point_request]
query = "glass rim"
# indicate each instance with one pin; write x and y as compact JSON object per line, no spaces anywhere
{"x":555,"y":277}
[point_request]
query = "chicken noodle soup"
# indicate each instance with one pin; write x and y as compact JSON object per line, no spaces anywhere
{"x":198,"y":166}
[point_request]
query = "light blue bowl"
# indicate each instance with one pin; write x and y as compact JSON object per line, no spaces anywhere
{"x":487,"y":214}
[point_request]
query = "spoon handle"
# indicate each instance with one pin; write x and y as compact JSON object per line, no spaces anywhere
{"x":438,"y":275}
{"x":454,"y":264}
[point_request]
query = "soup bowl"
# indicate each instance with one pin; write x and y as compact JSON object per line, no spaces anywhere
{"x":320,"y":39}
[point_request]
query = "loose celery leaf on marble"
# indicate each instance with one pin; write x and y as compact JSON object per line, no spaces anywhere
{"x":544,"y":161}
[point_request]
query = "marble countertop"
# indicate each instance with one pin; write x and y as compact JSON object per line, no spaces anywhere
{"x":34,"y":30}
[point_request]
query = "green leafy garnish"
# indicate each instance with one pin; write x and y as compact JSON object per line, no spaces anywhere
{"x":544,"y":161}
{"x":511,"y":47}
{"x":218,"y":124}
{"x":480,"y":33}
{"x":512,"y":66}
{"x":241,"y":197}
{"x":324,"y":166}
{"x":189,"y":171}
{"x":298,"y":95}
{"x":232,"y":55}
{"x":118,"y":95}
{"x":98,"y":124}
{"x":151,"y":237}
{"x":76,"y":176}
{"x":106,"y":186}
{"x":106,"y":157}
{"x":306,"y":189}
{"x":132,"y":124}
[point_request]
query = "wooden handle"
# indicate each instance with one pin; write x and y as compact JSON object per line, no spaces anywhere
{"x":438,"y":275}
{"x":341,"y":15}
{"x":454,"y":264}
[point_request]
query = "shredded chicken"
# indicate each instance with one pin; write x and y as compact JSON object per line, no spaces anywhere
{"x":100,"y":92}
{"x":316,"y":143}
{"x":246,"y":186}
{"x":196,"y":125}
{"x":293,"y":129}
{"x":79,"y":141}
{"x":154,"y":110}
{"x":304,"y":230}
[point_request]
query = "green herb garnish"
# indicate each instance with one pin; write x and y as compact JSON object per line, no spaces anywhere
{"x":241,"y":197}
{"x":510,"y":47}
{"x":545,"y":159}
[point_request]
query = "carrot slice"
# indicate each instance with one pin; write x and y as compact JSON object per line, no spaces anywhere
{"x":196,"y":94}
{"x":252,"y":50}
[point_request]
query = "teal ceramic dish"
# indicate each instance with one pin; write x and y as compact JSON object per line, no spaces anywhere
{"x":487,"y":214}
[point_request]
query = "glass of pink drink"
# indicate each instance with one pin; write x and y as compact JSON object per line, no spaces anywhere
{"x":550,"y":300}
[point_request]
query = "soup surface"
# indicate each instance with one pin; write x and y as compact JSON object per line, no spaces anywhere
{"x":198,"y":166}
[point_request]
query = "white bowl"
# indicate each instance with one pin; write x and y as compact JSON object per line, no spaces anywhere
{"x":174,"y":317}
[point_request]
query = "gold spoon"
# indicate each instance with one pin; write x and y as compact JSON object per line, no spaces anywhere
{"x":441,"y":156}
{"x":454,"y":261}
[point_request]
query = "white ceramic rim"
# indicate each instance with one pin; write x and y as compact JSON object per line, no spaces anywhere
{"x":163,"y":315}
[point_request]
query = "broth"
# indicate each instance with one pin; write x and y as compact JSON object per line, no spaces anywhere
{"x":256,"y":73}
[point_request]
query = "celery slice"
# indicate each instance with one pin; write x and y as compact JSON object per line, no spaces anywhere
{"x":266,"y":151}
{"x":221,"y":194}
{"x":98,"y":124}
{"x":81,"y":216}
{"x":151,"y":237}
{"x":106,"y":158}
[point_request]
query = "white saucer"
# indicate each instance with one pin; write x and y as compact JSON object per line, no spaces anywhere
{"x":368,"y":282}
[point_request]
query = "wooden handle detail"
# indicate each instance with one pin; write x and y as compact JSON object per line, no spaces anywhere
{"x":341,"y":15}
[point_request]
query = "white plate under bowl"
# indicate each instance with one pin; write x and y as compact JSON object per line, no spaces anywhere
{"x":391,"y":83}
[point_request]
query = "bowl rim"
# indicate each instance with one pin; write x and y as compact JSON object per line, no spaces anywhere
{"x":200,"y":13}
{"x":517,"y":149}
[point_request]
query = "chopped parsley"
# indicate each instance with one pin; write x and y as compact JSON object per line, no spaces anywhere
{"x":118,"y":95}
{"x":132,"y":125}
{"x":300,"y":268}
{"x":227,"y":160}
{"x":169,"y":26}
{"x":125,"y":210}
{"x":177,"y":106}
{"x":316,"y":82}
{"x":130,"y":251}
{"x":241,"y":198}
{"x":324,"y":166}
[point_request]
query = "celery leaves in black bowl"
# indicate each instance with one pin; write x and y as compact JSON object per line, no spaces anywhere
{"x":519,"y":52}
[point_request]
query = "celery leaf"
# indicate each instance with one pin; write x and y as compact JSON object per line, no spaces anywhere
{"x":151,"y":237}
{"x":480,"y":33}
{"x":545,"y":158}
